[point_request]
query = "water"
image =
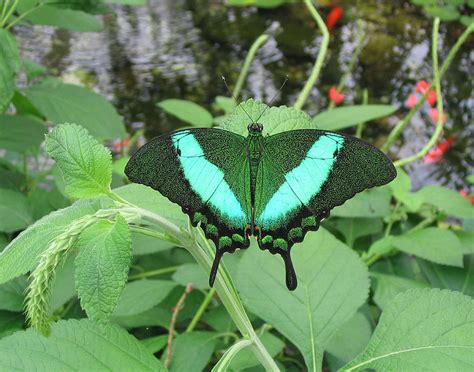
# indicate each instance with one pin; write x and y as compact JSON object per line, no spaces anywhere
{"x":180,"y":49}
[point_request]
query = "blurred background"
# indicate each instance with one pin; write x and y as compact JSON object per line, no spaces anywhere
{"x":181,"y":48}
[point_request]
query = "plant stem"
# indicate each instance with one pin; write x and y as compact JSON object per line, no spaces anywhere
{"x":303,"y":96}
{"x":360,"y":126}
{"x":355,"y":55}
{"x":226,"y":359}
{"x":147,"y":274}
{"x":174,"y":317}
{"x":398,"y":129}
{"x":153,"y":233}
{"x":9,"y":13}
{"x":201,"y":310}
{"x":23,"y":15}
{"x":439,"y":105}
{"x":248,"y":61}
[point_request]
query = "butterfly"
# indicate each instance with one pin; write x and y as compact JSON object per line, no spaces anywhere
{"x":274,"y":187}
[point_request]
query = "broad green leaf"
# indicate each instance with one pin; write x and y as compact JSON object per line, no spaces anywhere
{"x":444,"y":13}
{"x":191,"y":273}
{"x":10,"y":323}
{"x":43,"y":202}
{"x":274,"y":119}
{"x":187,"y":111}
{"x":144,"y":244}
{"x":12,"y":294}
{"x":86,"y":165}
{"x":63,"y":288}
{"x":350,"y":340}
{"x":433,"y":244}
{"x":71,"y":19}
{"x":155,"y":344}
{"x":386,"y":287}
{"x":147,"y":198}
{"x":192,"y":351}
{"x":66,"y":103}
{"x":76,"y":344}
{"x":21,"y":255}
{"x":453,"y":278}
{"x":354,"y":228}
{"x":142,"y":295}
{"x":10,"y":63}
{"x":226,"y":104}
{"x":11,"y":179}
{"x":381,"y":246}
{"x":119,"y":166}
{"x":246,"y":358}
{"x":102,"y":266}
{"x":401,"y":189}
{"x":325,"y":299}
{"x":424,"y":329}
{"x":447,"y":200}
{"x":20,"y":133}
{"x":344,"y":117}
{"x":219,"y":319}
{"x":467,"y":241}
{"x":370,"y":203}
{"x":33,"y":69}
{"x":15,"y":212}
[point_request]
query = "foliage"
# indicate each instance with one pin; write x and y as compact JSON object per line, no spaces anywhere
{"x":386,"y":283}
{"x":448,"y":10}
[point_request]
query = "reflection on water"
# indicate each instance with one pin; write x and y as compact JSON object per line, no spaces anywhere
{"x":179,"y":49}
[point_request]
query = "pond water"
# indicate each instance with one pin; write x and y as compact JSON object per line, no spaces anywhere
{"x":181,"y":48}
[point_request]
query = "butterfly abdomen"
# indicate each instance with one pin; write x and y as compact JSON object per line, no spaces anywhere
{"x":255,"y":146}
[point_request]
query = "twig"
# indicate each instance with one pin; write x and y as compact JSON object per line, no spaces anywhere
{"x":174,"y":316}
{"x":248,"y":60}
{"x":439,"y":106}
{"x":319,"y":60}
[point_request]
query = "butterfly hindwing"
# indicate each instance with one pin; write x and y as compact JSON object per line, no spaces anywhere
{"x":205,"y":171}
{"x":302,"y":175}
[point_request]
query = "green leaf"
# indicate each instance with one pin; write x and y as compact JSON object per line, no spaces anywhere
{"x":86,"y":165}
{"x":144,"y":244}
{"x":21,"y":255}
{"x":12,"y":294}
{"x":192,"y":351}
{"x":219,"y":319}
{"x":247,"y":359}
{"x":386,"y":287}
{"x":401,"y":189}
{"x":370,"y":203}
{"x":155,"y":344}
{"x":424,"y":329}
{"x":354,"y":228}
{"x":444,"y":13}
{"x":10,"y":64}
{"x":226,"y":104}
{"x":453,"y":278}
{"x":10,"y":323}
{"x":70,"y":19}
{"x":350,"y":340}
{"x":33,"y":69}
{"x":74,"y":344}
{"x":66,"y":103}
{"x":274,"y":119}
{"x":432,"y":244}
{"x":20,"y":133}
{"x":191,"y":273}
{"x":187,"y":111}
{"x":102,"y":266}
{"x":348,"y":116}
{"x":447,"y":200}
{"x":15,"y":212}
{"x":63,"y":288}
{"x":310,"y":315}
{"x":142,"y":295}
{"x":467,"y":241}
{"x":127,"y":2}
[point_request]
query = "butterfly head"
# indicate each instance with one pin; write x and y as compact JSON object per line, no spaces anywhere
{"x":255,"y":128}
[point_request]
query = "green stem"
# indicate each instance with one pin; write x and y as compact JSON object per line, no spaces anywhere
{"x":365,"y":101}
{"x":5,"y":5}
{"x":201,"y":310}
{"x":248,"y":61}
{"x":303,"y":96}
{"x":439,"y":106}
{"x":398,"y":129}
{"x":230,"y":354}
{"x":23,"y":15}
{"x":147,"y":274}
{"x":355,"y":55}
{"x":153,"y":233}
{"x":9,"y":13}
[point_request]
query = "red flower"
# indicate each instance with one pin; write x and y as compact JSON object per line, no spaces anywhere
{"x":464,"y":194}
{"x":334,"y":15}
{"x":431,"y":97}
{"x":422,"y":86}
{"x":437,"y":152}
{"x":433,"y":114}
{"x":335,"y":96}
{"x":411,"y":101}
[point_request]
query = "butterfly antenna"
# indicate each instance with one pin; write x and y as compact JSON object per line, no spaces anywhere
{"x":235,"y":100}
{"x":273,"y":98}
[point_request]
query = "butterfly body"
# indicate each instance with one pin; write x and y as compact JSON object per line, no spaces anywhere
{"x":275,"y":187}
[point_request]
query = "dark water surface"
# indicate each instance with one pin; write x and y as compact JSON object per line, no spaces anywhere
{"x":180,"y":49}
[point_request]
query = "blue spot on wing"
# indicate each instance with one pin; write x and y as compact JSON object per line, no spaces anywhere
{"x":302,"y":182}
{"x":207,"y":180}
